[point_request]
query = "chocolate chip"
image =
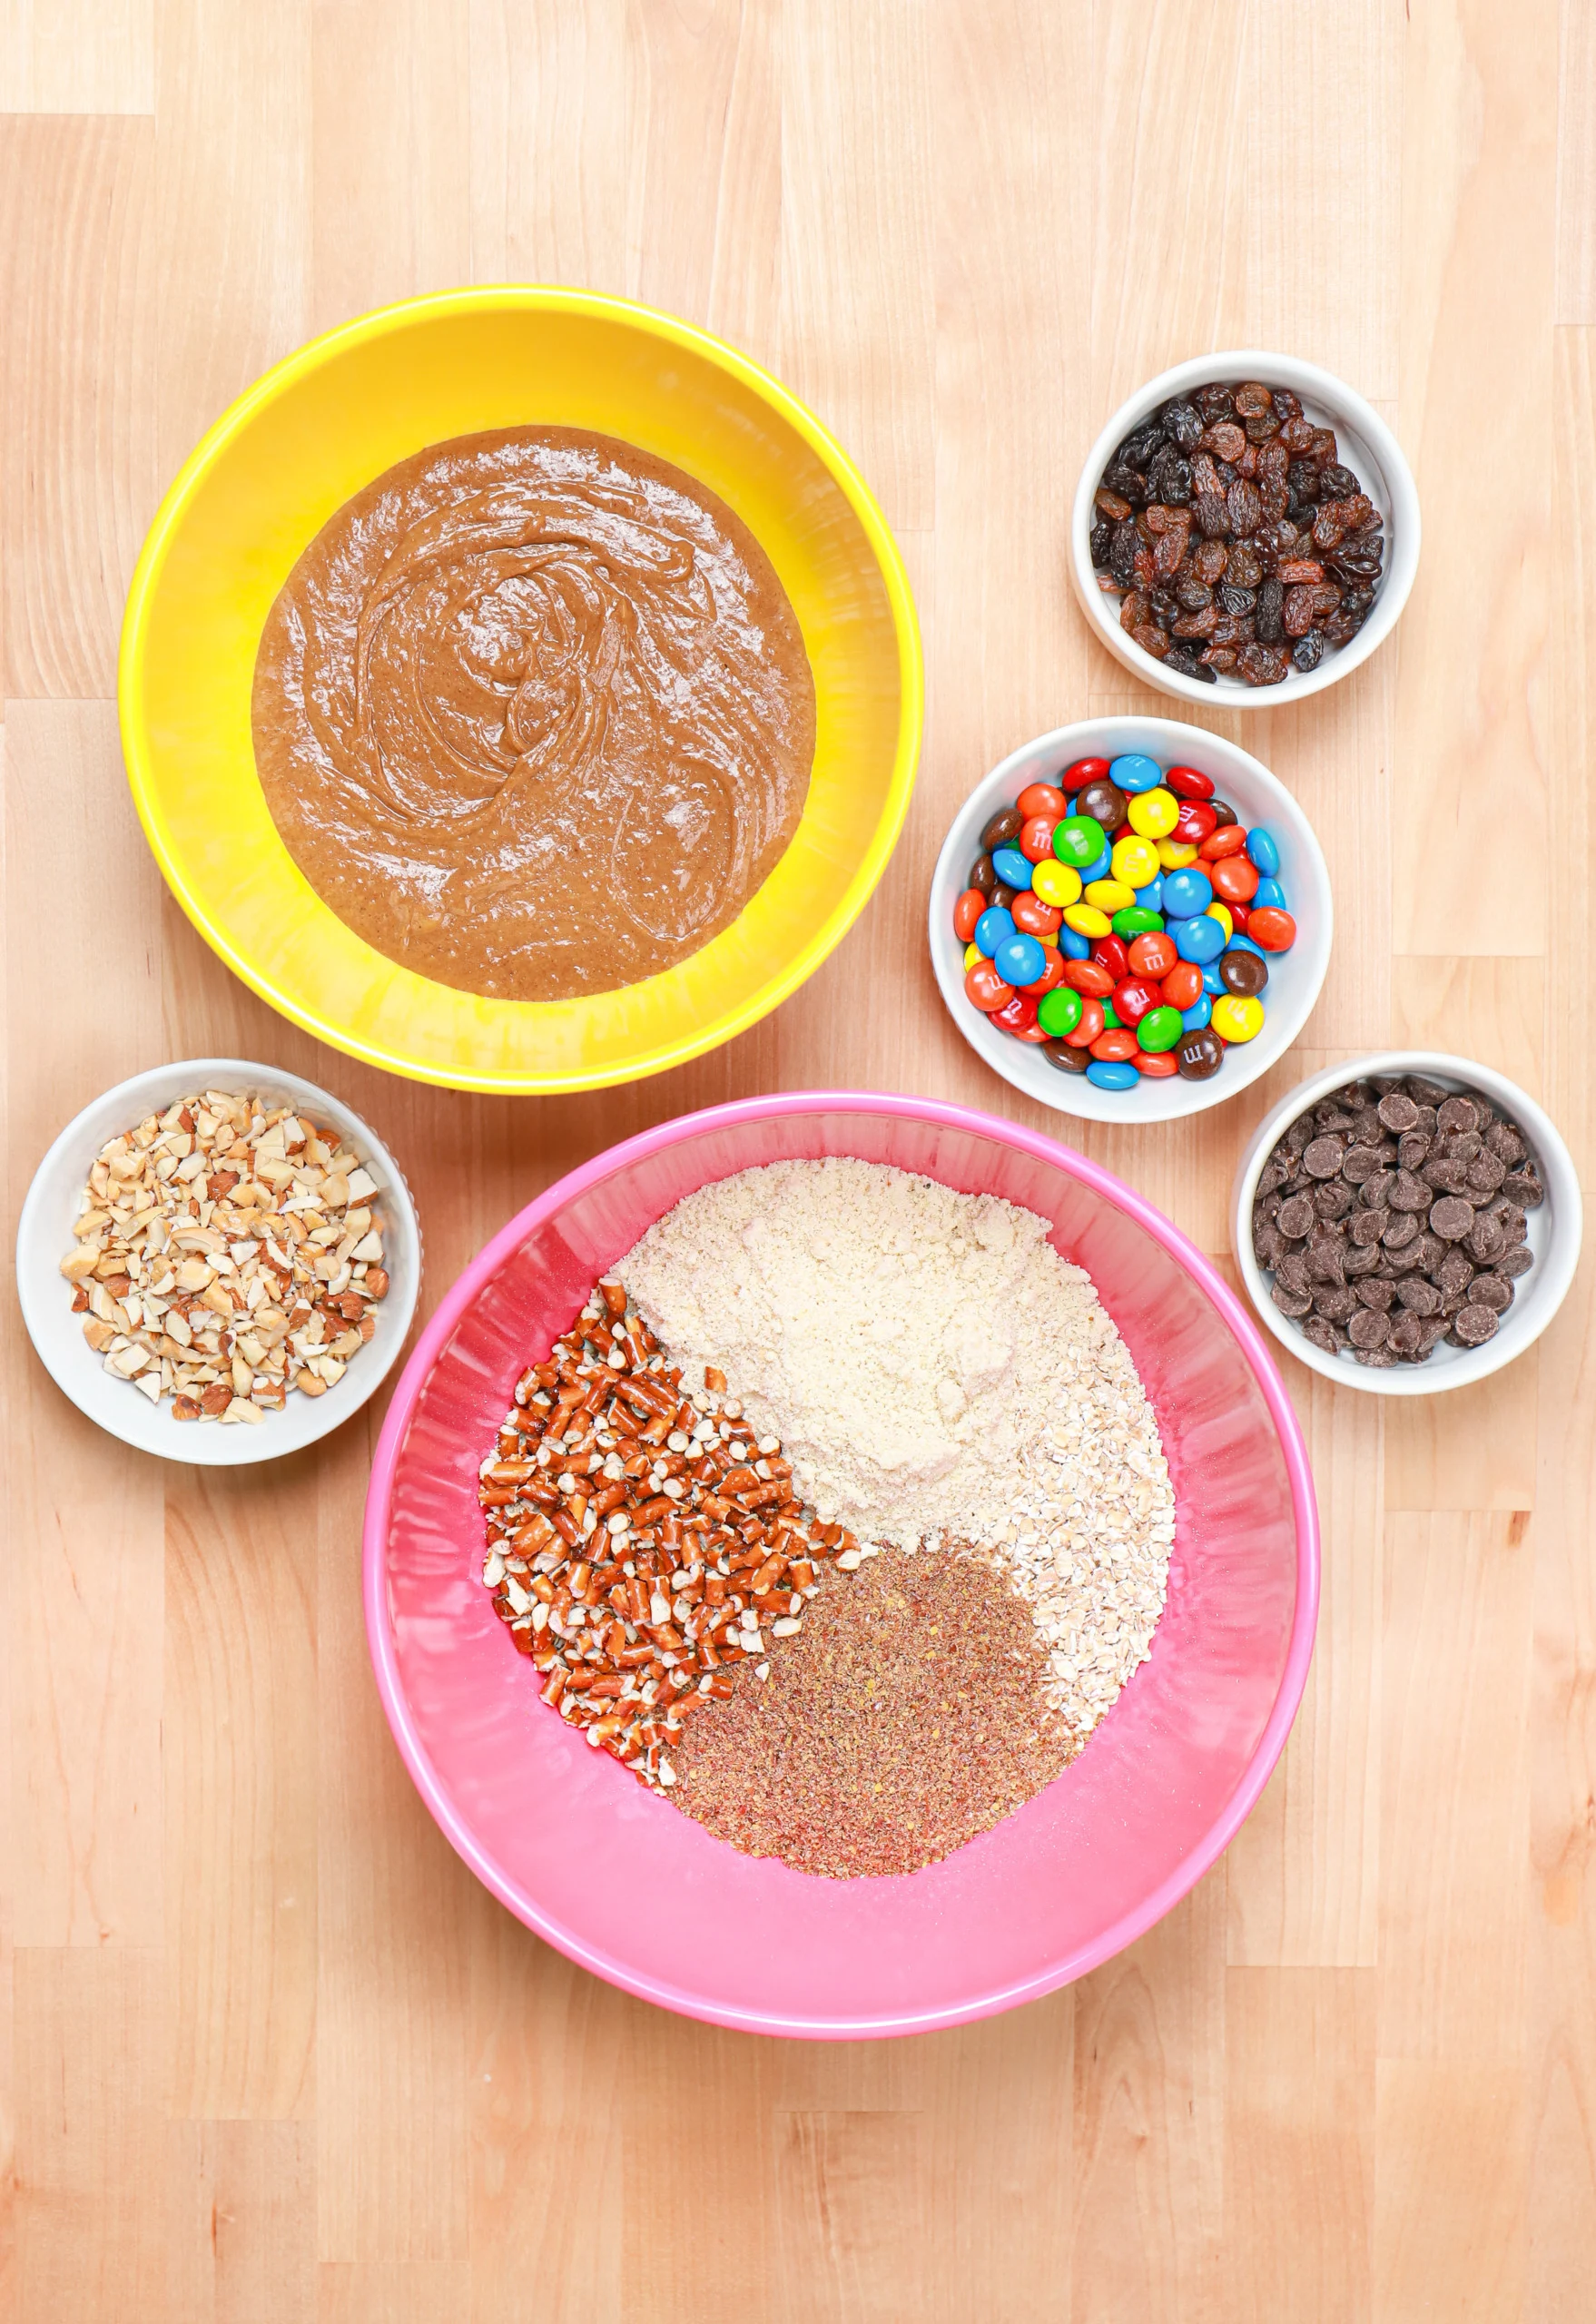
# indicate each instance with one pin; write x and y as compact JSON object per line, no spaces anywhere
{"x":1446,"y":1176}
{"x":1407,"y":1332}
{"x":1463,"y":1147}
{"x":1368,"y":1328}
{"x":1473,"y":1326}
{"x":1376,"y":1294}
{"x":1368,"y":1225}
{"x":1322,"y":1159}
{"x":1273,"y":1174}
{"x":1432,"y":1333}
{"x":1323,"y":1334}
{"x":1296,"y":1215}
{"x":1456,"y":1114}
{"x":1505,"y":1143}
{"x":1293,"y":1272}
{"x":1424,"y":1092}
{"x":1333,"y":1199}
{"x":1522,"y":1187}
{"x":1486,"y":1172}
{"x":1375,"y":1193}
{"x":1492,"y":1291}
{"x":1398,"y":1112}
{"x":1290,"y":1302}
{"x":1455,"y":1271}
{"x":1451,"y":1217}
{"x":1299,"y":1135}
{"x":1326,"y":1256}
{"x":1361,"y":1259}
{"x":1378,"y":1359}
{"x":1409,"y":1193}
{"x":1487,"y":1238}
{"x":1404,"y":1229}
{"x":1268,"y":1243}
{"x":1419,"y":1295}
{"x":1515,"y":1261}
{"x":1360,"y":1163}
{"x":1383,"y":1084}
{"x":1412,"y":1149}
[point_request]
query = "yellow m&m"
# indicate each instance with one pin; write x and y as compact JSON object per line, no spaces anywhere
{"x":1086,"y":920}
{"x":1056,"y":883}
{"x":1134,"y":863}
{"x":1237,"y":1017}
{"x":1153,"y":814}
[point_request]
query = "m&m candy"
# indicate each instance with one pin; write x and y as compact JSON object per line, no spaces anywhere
{"x":1121,"y":919}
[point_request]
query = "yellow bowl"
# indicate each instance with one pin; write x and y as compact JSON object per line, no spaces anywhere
{"x":310,"y":434}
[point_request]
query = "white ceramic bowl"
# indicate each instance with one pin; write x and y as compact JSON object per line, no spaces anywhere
{"x":1295,"y":977}
{"x":1554,"y":1230}
{"x":44,"y":1236}
{"x":1365,"y":445}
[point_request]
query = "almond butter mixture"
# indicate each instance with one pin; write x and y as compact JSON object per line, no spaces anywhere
{"x":226,"y":1253}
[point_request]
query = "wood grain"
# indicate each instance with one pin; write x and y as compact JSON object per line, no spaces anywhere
{"x":267,"y":2051}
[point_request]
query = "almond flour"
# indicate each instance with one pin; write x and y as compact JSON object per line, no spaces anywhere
{"x":938,"y":1376}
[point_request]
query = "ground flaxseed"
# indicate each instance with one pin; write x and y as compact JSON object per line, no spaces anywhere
{"x":907,"y":1718}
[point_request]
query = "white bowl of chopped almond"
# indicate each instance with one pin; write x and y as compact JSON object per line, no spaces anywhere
{"x":217,"y":1262}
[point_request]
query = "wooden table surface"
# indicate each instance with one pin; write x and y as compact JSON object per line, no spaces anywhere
{"x":272,"y":2053}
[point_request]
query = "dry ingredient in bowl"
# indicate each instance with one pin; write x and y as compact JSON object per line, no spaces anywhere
{"x":937,"y":1375}
{"x":1239,"y":541}
{"x":908,"y":1718}
{"x":1391,"y":1217}
{"x":641,"y":1542}
{"x":227,"y":1252}
{"x":918,"y":1372}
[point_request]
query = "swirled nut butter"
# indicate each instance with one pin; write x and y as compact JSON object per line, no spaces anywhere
{"x":533,"y":713}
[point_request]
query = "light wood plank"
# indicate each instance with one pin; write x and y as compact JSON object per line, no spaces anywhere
{"x":1574,"y":298}
{"x":1299,"y":2146}
{"x":78,"y":56}
{"x":91,"y":2211}
{"x":1450,"y":2180}
{"x":78,"y":468}
{"x":1478,"y":199}
{"x":241,"y":1791}
{"x":1561,"y":1904}
{"x":241,"y":2214}
{"x":1568,"y":1090}
{"x":85,"y":1511}
{"x":1454,"y":1782}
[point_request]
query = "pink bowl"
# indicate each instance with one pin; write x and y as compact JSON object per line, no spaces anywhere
{"x":629,"y":1886}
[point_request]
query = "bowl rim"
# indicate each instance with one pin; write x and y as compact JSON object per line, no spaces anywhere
{"x":1198,"y":1096}
{"x":590,"y":1174}
{"x":244,"y":1447}
{"x":533,"y":298}
{"x":1556,"y":1269}
{"x":1319,"y":386}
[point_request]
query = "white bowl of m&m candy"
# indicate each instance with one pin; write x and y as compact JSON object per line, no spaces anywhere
{"x":1130,"y":920}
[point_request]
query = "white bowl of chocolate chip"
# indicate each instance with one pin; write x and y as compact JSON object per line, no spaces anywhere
{"x":1406,"y":1222}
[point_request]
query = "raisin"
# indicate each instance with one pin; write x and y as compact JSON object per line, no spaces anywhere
{"x":1140,"y":445}
{"x":1169,"y":476}
{"x":1297,"y":612}
{"x":1122,"y":554}
{"x":1309,"y":651}
{"x":1261,"y":665}
{"x":1201,"y":623}
{"x":1232,"y":600}
{"x":1286,"y":405}
{"x":1220,"y":657}
{"x":1251,"y":398}
{"x":1186,"y":659}
{"x":1214,"y":403}
{"x":1293,"y":569}
{"x":1270,"y":627}
{"x":1210,"y":560}
{"x":1302,"y":479}
{"x":1134,"y":610}
{"x":1110,"y":505}
{"x":1099,"y":539}
{"x":1162,"y":606}
{"x":1298,"y":434}
{"x":1337,"y":483}
{"x":1181,"y":423}
{"x":1211,"y":516}
{"x":1126,"y":482}
{"x":1321,"y":446}
{"x":1192,"y":595}
{"x":1244,"y":566}
{"x":1151,"y":640}
{"x":1226,"y":441}
{"x":1234,"y":629}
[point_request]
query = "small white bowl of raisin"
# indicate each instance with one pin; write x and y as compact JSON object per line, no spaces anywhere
{"x":1246,"y":529}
